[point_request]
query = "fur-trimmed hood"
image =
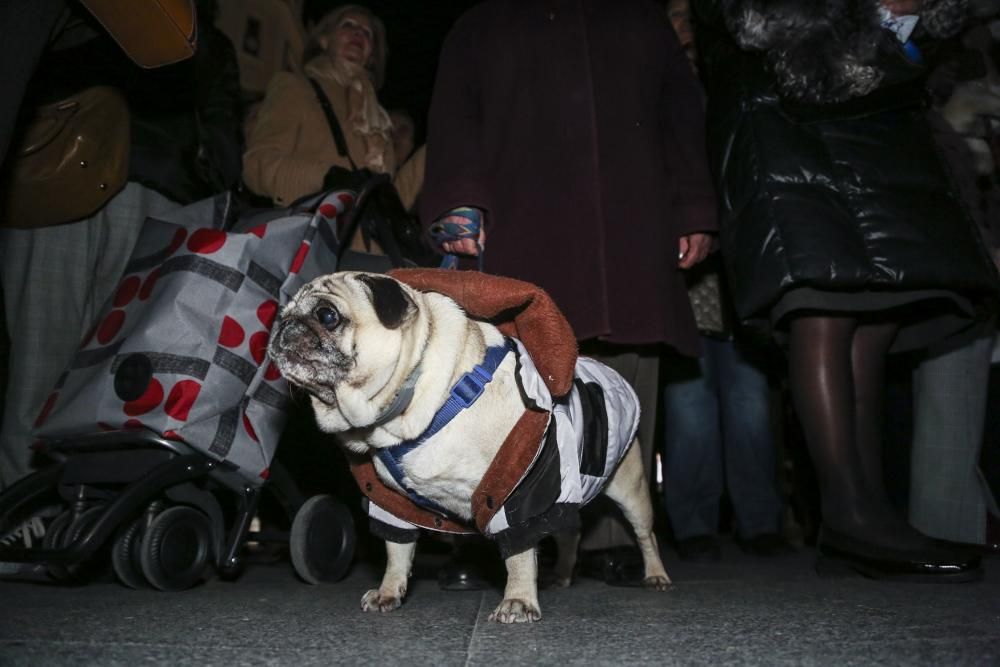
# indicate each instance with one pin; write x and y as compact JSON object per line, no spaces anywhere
{"x":829,"y":50}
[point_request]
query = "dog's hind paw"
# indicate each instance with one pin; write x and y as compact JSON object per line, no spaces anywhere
{"x":516,"y":611}
{"x":375,"y":601}
{"x":656,"y":583}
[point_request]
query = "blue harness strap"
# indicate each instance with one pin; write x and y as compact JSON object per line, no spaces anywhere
{"x":912,"y":52}
{"x":463,"y":394}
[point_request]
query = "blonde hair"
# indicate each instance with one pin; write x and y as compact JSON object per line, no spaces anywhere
{"x":380,"y":47}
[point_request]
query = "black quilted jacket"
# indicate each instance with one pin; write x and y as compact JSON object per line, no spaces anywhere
{"x":827,"y":184}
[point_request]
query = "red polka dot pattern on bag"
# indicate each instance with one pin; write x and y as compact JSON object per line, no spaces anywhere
{"x":206,"y":241}
{"x":170,"y":400}
{"x":266,"y":313}
{"x":300,"y":257}
{"x":110,"y":327}
{"x":258,"y":346}
{"x":232,"y":334}
{"x":149,"y":284}
{"x":181,"y":398}
{"x":127,"y":291}
{"x":272,"y":373}
{"x":148,"y":402}
{"x":328,"y":210}
{"x":177,"y":241}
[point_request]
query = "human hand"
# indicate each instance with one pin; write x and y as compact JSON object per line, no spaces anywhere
{"x":692,"y":249}
{"x":465,"y":246}
{"x":903,"y":7}
{"x":460,"y":222}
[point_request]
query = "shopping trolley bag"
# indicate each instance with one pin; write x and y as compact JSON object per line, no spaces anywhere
{"x":181,"y":346}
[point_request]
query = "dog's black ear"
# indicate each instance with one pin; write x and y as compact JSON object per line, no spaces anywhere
{"x":390,"y":301}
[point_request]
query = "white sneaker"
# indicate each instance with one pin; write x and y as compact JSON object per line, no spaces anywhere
{"x":30,"y":532}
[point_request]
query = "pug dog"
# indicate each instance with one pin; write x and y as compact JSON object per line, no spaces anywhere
{"x":459,"y":426}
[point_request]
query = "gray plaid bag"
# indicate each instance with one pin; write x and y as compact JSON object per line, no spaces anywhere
{"x":181,"y":346}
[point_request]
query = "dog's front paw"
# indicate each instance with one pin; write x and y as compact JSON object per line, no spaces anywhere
{"x":375,"y":600}
{"x":656,"y":583}
{"x":516,"y":611}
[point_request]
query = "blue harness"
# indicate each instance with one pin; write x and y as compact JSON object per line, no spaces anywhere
{"x":465,"y":392}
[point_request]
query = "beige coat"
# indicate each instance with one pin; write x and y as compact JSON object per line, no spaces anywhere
{"x":409,"y":179}
{"x":290,"y":148}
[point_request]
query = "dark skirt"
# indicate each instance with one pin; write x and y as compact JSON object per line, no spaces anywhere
{"x":925,"y":316}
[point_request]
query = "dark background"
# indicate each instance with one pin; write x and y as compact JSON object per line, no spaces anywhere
{"x":416,"y":30}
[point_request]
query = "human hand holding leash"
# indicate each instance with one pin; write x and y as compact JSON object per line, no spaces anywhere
{"x":461,"y":232}
{"x":466,"y":246}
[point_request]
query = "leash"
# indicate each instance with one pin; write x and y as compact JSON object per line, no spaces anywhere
{"x":469,"y":228}
{"x":469,"y":387}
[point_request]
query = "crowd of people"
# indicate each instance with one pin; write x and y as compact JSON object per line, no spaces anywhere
{"x":728,"y":216}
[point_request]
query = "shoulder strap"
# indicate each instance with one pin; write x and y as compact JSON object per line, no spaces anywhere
{"x":331,"y":118}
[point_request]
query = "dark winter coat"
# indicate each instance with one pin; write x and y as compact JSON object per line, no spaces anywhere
{"x":578,"y":126}
{"x":828,"y":176}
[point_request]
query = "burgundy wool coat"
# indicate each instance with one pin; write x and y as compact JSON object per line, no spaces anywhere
{"x":578,"y":126}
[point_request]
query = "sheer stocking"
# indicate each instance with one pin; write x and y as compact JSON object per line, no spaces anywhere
{"x":836,"y":374}
{"x":868,"y":353}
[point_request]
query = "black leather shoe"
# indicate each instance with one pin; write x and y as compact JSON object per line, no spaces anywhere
{"x":453,"y":577}
{"x":699,"y":549}
{"x":840,"y":553}
{"x":767,"y":545}
{"x":471,"y":567}
{"x":617,"y":566}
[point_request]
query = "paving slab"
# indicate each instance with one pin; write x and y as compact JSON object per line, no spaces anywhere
{"x":743,"y":611}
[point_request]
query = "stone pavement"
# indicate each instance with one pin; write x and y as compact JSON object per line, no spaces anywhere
{"x":743,"y":611}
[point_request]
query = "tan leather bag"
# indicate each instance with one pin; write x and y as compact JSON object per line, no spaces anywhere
{"x":71,"y":159}
{"x":152,"y":32}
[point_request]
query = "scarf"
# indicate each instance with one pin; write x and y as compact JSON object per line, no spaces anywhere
{"x":366,"y":117}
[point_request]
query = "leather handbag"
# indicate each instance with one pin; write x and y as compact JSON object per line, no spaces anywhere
{"x":72,"y":158}
{"x":708,"y":298}
{"x":388,"y":234}
{"x":152,"y":32}
{"x":706,"y":303}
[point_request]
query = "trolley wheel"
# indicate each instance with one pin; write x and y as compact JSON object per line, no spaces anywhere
{"x":63,"y":535}
{"x":125,"y":557}
{"x":53,"y":536}
{"x":322,"y":540}
{"x":79,"y":526}
{"x":176,"y":549}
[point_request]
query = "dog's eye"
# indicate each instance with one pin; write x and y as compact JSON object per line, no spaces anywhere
{"x":328,"y":317}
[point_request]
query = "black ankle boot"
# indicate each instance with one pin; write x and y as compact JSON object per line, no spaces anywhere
{"x":472,"y":566}
{"x":940,"y":562}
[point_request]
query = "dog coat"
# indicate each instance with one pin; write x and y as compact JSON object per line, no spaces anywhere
{"x":586,"y":434}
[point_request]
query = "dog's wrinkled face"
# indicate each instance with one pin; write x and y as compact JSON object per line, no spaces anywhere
{"x":342,"y":333}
